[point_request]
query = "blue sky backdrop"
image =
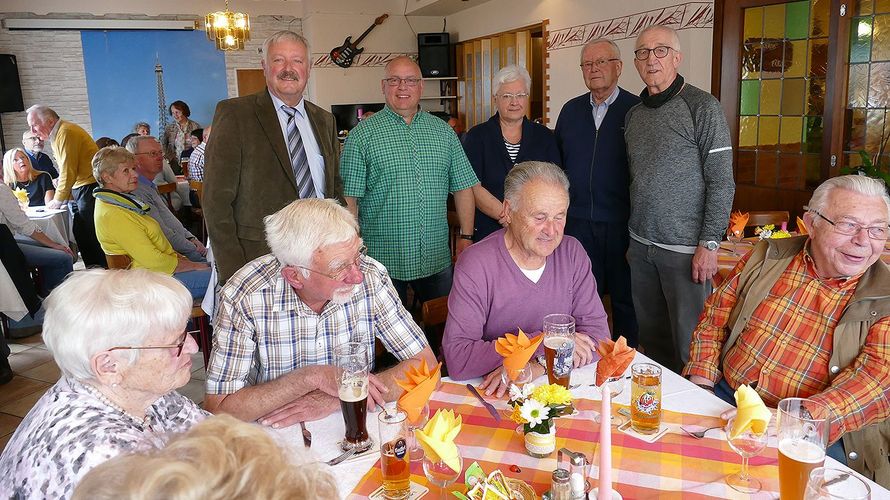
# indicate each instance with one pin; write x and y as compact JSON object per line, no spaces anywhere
{"x":120,"y":72}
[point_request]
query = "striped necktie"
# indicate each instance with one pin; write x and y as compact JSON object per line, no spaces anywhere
{"x":297,"y":152}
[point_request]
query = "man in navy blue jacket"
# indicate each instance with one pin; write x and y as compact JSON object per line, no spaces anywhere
{"x":590,"y":135}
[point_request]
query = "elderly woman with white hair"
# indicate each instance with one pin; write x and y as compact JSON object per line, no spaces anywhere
{"x":507,"y":138}
{"x":119,"y":339}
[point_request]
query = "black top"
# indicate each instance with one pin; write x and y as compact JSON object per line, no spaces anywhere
{"x":37,"y":189}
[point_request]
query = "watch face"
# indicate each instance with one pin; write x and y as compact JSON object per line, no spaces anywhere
{"x":712,"y":245}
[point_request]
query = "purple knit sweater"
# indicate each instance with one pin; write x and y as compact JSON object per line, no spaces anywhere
{"x":491,"y":296}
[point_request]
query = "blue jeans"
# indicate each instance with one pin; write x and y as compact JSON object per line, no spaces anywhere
{"x":54,"y":265}
{"x":196,"y":281}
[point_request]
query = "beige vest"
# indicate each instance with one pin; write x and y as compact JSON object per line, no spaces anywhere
{"x":869,"y":447}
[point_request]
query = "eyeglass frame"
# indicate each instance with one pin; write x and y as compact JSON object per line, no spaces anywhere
{"x":155,"y":154}
{"x":32,"y":139}
{"x":395,"y":81}
{"x":653,"y":51}
{"x":599,"y":63}
{"x":510,"y":96}
{"x":337,"y":274}
{"x":856,"y":226}
{"x":178,"y":347}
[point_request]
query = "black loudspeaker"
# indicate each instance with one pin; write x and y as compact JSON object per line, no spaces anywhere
{"x":434,"y":55}
{"x":10,"y":87}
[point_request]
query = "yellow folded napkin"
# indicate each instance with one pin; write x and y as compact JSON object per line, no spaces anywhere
{"x":752,"y":413}
{"x":801,"y":227}
{"x":21,"y":195}
{"x":419,"y":383}
{"x":737,"y":222}
{"x":615,"y":357}
{"x":437,"y":438}
{"x":516,"y":350}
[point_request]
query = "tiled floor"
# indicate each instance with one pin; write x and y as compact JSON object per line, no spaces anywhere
{"x":35,"y":372}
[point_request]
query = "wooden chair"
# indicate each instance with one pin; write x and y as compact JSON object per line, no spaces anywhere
{"x":433,"y":315}
{"x":166,"y":191}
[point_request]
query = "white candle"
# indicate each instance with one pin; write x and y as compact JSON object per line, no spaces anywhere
{"x":605,"y":486}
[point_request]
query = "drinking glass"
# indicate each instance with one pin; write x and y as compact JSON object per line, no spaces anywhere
{"x":414,"y":449}
{"x":559,"y":346}
{"x":803,"y":429}
{"x":394,"y":456}
{"x":352,"y":377}
{"x":524,"y":377}
{"x":834,"y":484}
{"x":645,"y":398}
{"x":440,"y":474}
{"x":615,"y":386}
{"x":746,"y":444}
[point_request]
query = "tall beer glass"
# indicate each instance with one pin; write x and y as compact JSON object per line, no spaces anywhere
{"x":645,"y":398}
{"x":559,"y":346}
{"x":803,"y":429}
{"x":352,"y":376}
{"x":394,"y":457}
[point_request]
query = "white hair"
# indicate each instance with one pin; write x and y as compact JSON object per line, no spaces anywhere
{"x":509,"y":74}
{"x":528,"y":171}
{"x":97,"y":309}
{"x":861,"y":184}
{"x":675,"y":38}
{"x":134,"y":142}
{"x":296,"y":231}
{"x":616,"y":52}
{"x":289,"y":36}
{"x":43,"y":113}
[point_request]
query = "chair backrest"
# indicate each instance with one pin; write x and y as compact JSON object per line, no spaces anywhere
{"x":760,"y":218}
{"x":165,"y":190}
{"x":198,"y":188}
{"x":118,"y":261}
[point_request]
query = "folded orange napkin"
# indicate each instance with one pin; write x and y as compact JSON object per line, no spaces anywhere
{"x":801,"y":227}
{"x":737,"y":222}
{"x":516,"y":350}
{"x":419,"y":384}
{"x":615,"y":357}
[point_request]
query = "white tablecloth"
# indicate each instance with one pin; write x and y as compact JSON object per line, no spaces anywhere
{"x":56,"y":224}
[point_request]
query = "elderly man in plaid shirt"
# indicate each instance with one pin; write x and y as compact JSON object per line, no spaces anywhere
{"x":810,"y":317}
{"x":281,"y":316}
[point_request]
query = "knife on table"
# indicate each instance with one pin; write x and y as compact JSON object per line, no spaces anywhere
{"x":488,"y":406}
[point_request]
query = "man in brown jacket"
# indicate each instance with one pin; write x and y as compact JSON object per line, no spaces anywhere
{"x":267,"y":150}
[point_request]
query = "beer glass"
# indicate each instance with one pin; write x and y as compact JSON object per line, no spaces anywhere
{"x":645,"y":398}
{"x":394,"y":455}
{"x":803,"y":428}
{"x":352,"y":377}
{"x":559,"y":346}
{"x":835,"y":484}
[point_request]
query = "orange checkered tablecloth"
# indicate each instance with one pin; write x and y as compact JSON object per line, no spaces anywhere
{"x":675,"y":466}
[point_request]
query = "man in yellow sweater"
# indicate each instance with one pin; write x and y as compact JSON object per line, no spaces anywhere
{"x":74,"y":149}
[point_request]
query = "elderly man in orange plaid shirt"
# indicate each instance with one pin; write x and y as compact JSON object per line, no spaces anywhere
{"x":810,"y":317}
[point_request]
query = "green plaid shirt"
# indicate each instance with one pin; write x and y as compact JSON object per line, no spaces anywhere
{"x":401,"y":175}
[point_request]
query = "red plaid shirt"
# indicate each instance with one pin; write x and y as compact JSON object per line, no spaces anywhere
{"x":786,"y":345}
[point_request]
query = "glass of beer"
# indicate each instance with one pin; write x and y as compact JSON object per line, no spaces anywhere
{"x":352,"y":376}
{"x":394,"y":456}
{"x":835,"y":484}
{"x":559,"y":346}
{"x":803,"y":429}
{"x":645,"y":398}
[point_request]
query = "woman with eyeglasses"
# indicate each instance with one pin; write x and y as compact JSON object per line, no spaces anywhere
{"x":118,"y":337}
{"x":507,"y":138}
{"x":124,"y":227}
{"x":18,"y":173}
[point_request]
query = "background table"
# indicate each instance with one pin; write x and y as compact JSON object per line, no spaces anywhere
{"x":56,"y":224}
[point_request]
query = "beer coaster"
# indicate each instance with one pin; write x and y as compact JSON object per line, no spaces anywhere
{"x":417,"y":491}
{"x":649,"y":438}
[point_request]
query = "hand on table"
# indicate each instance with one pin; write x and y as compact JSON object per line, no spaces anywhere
{"x":313,"y":406}
{"x":55,"y":204}
{"x":585,"y":347}
{"x":493,"y":383}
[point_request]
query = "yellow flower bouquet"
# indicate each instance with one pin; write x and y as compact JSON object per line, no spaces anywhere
{"x":534,"y":407}
{"x":769,"y":231}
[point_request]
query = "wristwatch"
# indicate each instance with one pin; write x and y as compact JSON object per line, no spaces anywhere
{"x":466,"y":236}
{"x":710,"y":245}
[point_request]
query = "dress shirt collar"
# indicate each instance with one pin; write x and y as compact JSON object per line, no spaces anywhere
{"x":52,"y":133}
{"x":145,"y":180}
{"x":838,"y":281}
{"x":300,"y":107}
{"x":386,"y":109}
{"x":609,"y":100}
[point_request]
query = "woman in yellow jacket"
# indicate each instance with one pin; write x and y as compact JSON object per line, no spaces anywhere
{"x":124,"y":227}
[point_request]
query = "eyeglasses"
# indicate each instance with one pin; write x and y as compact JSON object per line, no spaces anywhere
{"x":33,"y":139}
{"x":852,"y":228}
{"x":177,"y":346}
{"x":339,"y":273}
{"x":509,"y":97}
{"x":599,"y":63}
{"x":154,"y":154}
{"x":395,"y":81}
{"x":660,"y":52}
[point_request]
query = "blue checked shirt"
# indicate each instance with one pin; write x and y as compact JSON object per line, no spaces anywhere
{"x":262,"y":330}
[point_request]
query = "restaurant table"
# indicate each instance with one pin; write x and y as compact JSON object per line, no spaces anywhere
{"x":674,"y":466}
{"x":55,"y":223}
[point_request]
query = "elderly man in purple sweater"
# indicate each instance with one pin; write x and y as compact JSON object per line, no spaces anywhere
{"x":516,"y":276}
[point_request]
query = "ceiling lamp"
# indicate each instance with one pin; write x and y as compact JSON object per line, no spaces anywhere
{"x":229,"y":30}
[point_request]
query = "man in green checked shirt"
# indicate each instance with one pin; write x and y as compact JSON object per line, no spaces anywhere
{"x":398,"y":168}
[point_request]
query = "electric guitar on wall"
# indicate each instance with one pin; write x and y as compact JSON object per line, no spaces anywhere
{"x":344,"y":54}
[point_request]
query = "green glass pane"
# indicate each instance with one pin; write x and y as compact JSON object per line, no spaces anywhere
{"x":812,"y":134}
{"x":863,"y":7}
{"x":747,"y":132}
{"x":746,"y":167}
{"x":857,"y":87}
{"x":813,"y":171}
{"x":770,"y":97}
{"x":817,"y":62}
{"x":751,"y":61}
{"x":750,"y":98}
{"x":882,"y":6}
{"x":774,"y":21}
{"x":815,"y":103}
{"x":791,"y":133}
{"x":874,"y":130}
{"x":879,"y":85}
{"x":791,"y":171}
{"x":880,"y":45}
{"x":768,"y":133}
{"x":855,"y":139}
{"x":767,"y":169}
{"x":819,"y":16}
{"x":860,"y":39}
{"x":795,"y":58}
{"x":793,"y":93}
{"x":753,"y":28}
{"x":796,"y":16}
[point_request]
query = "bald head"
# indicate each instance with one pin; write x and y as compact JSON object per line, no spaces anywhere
{"x":402,"y":87}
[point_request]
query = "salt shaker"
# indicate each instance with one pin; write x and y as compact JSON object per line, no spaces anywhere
{"x":560,"y":486}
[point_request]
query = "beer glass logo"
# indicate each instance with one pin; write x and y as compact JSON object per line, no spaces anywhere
{"x":562,"y":361}
{"x":400,"y":448}
{"x":647,"y":403}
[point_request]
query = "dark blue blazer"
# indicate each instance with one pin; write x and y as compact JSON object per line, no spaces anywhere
{"x":484,"y":145}
{"x":596,"y":160}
